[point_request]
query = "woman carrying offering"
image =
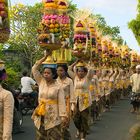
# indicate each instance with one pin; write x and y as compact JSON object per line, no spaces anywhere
{"x":50,"y":115}
{"x":82,"y":79}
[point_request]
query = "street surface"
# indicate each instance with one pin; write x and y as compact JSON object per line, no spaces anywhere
{"x":114,"y":125}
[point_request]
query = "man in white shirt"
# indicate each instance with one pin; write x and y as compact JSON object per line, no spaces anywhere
{"x":27,"y":84}
{"x":135,"y":82}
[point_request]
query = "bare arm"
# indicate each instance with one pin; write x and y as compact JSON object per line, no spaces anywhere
{"x":37,"y":75}
{"x":70,"y":69}
{"x":90,"y":73}
{"x":111,"y":73}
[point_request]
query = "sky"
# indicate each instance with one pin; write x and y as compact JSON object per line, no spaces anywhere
{"x":115,"y":12}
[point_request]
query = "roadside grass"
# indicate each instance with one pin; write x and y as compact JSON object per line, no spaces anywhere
{"x":137,"y":134}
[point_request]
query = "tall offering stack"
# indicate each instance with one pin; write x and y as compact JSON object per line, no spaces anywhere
{"x":134,"y":58}
{"x":81,"y":35}
{"x":4,"y":21}
{"x":54,"y":29}
{"x":125,"y":57}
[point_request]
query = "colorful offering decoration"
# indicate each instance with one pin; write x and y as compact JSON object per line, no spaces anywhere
{"x":81,"y":35}
{"x":4,"y":21}
{"x":134,"y":58}
{"x":54,"y":28}
{"x":88,"y":41}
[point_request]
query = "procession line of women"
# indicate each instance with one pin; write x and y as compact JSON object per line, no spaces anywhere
{"x":79,"y":92}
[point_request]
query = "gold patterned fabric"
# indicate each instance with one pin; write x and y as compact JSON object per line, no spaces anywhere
{"x":68,"y":87}
{"x":50,"y":134}
{"x":82,"y":93}
{"x":81,"y":89}
{"x":6,"y":114}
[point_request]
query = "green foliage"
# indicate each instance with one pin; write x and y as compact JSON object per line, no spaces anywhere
{"x":114,"y":32}
{"x":72,"y":6}
{"x":134,"y":24}
{"x":1,"y":53}
{"x":137,"y":135}
{"x":24,"y":23}
{"x":13,"y":78}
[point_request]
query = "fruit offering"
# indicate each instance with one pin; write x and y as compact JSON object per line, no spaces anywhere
{"x":117,"y":55}
{"x":63,"y":5}
{"x":50,"y":5}
{"x":134,"y":58}
{"x":105,"y":56}
{"x":81,"y":38}
{"x":104,"y":44}
{"x":64,"y":21}
{"x":54,"y":28}
{"x":92,"y":31}
{"x":81,"y":34}
{"x":125,"y":56}
{"x":49,"y":32}
{"x":4,"y":21}
{"x":98,"y":44}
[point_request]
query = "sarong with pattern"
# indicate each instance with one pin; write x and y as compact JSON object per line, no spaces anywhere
{"x":50,"y":134}
{"x":81,"y":121}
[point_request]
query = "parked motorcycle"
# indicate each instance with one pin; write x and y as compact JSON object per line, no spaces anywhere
{"x":28,"y":102}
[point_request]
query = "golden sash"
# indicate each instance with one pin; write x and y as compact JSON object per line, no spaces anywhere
{"x":41,"y":108}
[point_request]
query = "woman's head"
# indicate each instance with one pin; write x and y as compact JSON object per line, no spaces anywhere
{"x":49,"y":73}
{"x":62,"y":70}
{"x":81,"y":72}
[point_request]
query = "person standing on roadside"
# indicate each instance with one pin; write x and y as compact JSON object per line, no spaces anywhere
{"x":135,"y":82}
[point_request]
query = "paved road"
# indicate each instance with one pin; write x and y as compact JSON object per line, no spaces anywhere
{"x":114,"y":125}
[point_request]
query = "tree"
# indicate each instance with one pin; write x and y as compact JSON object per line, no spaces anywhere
{"x":24,"y":23}
{"x":134,"y":24}
{"x":114,"y":32}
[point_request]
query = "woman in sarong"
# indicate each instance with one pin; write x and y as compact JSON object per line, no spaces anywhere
{"x":82,"y":78}
{"x":50,"y":115}
{"x":67,"y":84}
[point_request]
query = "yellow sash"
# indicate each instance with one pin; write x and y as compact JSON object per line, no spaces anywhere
{"x":110,"y":85}
{"x":91,"y":87}
{"x":103,"y":84}
{"x":41,"y":108}
{"x":85,"y":99}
